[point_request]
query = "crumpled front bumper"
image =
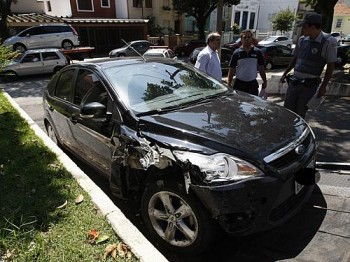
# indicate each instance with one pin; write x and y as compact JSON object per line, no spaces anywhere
{"x":256,"y":204}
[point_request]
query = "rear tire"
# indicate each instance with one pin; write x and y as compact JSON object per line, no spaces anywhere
{"x":176,"y":219}
{"x":67,"y":45}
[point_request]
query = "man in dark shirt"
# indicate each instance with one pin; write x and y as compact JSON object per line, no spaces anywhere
{"x":245,"y":63}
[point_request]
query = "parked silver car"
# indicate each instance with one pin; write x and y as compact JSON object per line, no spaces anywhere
{"x":277,"y":39}
{"x":38,"y":61}
{"x":159,"y":52}
{"x":44,"y":36}
{"x":140,"y":46}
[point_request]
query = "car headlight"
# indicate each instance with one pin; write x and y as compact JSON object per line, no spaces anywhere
{"x":219,"y":167}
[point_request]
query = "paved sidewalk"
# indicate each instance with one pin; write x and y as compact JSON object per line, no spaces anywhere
{"x":331,"y":125}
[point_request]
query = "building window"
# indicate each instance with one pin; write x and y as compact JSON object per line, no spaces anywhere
{"x":48,"y":5}
{"x":137,"y":3}
{"x":148,"y":3}
{"x":245,"y":20}
{"x":85,"y":5}
{"x":105,"y":3}
{"x":339,"y":22}
{"x":237,"y":18}
{"x":251,"y":20}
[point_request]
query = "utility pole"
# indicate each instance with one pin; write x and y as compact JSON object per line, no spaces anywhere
{"x":219,"y":16}
{"x":219,"y":20}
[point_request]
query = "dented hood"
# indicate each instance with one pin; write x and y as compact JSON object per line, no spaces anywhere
{"x":238,"y":123}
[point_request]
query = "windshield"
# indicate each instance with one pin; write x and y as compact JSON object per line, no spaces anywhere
{"x":159,"y":86}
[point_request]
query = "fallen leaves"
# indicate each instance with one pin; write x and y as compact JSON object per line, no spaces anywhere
{"x":94,"y":237}
{"x":9,"y":255}
{"x":79,"y":199}
{"x":120,"y":249}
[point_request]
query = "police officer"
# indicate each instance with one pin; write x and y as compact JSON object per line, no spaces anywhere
{"x":314,"y":50}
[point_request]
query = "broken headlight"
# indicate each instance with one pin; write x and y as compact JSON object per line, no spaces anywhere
{"x":219,"y":167}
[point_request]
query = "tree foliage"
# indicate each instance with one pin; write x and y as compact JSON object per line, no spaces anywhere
{"x":5,"y":10}
{"x":6,"y":54}
{"x":200,"y":10}
{"x":326,"y":8}
{"x":283,"y":20}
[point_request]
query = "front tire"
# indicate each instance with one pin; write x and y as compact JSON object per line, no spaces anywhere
{"x":51,"y":134}
{"x":175,"y":218}
{"x":268,"y":65}
{"x":19,"y":48}
{"x":10,"y":76}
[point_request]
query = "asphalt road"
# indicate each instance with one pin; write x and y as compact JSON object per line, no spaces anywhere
{"x":320,"y":232}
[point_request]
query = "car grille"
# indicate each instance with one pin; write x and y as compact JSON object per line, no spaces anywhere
{"x":281,"y":210}
{"x":291,"y":156}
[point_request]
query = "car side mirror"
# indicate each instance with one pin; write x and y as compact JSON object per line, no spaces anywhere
{"x":27,"y":35}
{"x":93,"y":110}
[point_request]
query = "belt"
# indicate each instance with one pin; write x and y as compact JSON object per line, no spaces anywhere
{"x":307,"y":82}
{"x":248,"y":82}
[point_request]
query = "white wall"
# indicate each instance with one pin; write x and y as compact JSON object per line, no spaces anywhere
{"x":271,"y":7}
{"x":121,"y":8}
{"x":59,"y":8}
{"x":27,"y":6}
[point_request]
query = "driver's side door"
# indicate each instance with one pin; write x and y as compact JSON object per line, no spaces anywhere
{"x":92,"y":136}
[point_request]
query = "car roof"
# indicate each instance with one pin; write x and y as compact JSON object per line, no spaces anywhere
{"x":32,"y":51}
{"x":117,"y":61}
{"x":157,"y":50}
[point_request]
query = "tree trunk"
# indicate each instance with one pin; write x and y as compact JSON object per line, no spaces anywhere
{"x":326,"y":8}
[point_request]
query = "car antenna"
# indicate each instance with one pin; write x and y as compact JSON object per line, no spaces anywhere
{"x":129,"y":45}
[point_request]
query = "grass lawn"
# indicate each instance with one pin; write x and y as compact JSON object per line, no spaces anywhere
{"x":39,"y":217}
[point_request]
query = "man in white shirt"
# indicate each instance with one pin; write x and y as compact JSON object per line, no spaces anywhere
{"x":208,"y":59}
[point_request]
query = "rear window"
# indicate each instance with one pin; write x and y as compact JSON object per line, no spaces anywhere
{"x":50,"y":56}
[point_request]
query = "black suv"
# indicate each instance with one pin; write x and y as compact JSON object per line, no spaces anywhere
{"x":195,"y":153}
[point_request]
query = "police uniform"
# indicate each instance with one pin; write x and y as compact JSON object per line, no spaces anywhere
{"x":312,"y":56}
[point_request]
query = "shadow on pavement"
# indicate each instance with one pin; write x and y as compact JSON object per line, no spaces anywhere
{"x":330,"y":124}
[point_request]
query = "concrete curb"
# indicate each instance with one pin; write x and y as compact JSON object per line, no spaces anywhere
{"x":333,"y":165}
{"x":139,"y":245}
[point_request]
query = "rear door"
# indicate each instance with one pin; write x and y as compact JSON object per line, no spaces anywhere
{"x":50,"y":61}
{"x":52,"y":36}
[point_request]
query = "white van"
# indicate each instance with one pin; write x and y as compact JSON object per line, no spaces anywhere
{"x":43,"y":36}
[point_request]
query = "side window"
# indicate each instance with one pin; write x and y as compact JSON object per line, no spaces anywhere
{"x":24,"y":33}
{"x":64,"y":29}
{"x":64,"y":87}
{"x":50,"y":56}
{"x":83,"y":85}
{"x":35,"y":31}
{"x":29,"y":58}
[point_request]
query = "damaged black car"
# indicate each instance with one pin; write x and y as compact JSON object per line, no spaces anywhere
{"x":197,"y":154}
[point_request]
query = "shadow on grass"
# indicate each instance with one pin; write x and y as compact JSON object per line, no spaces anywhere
{"x":32,"y":184}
